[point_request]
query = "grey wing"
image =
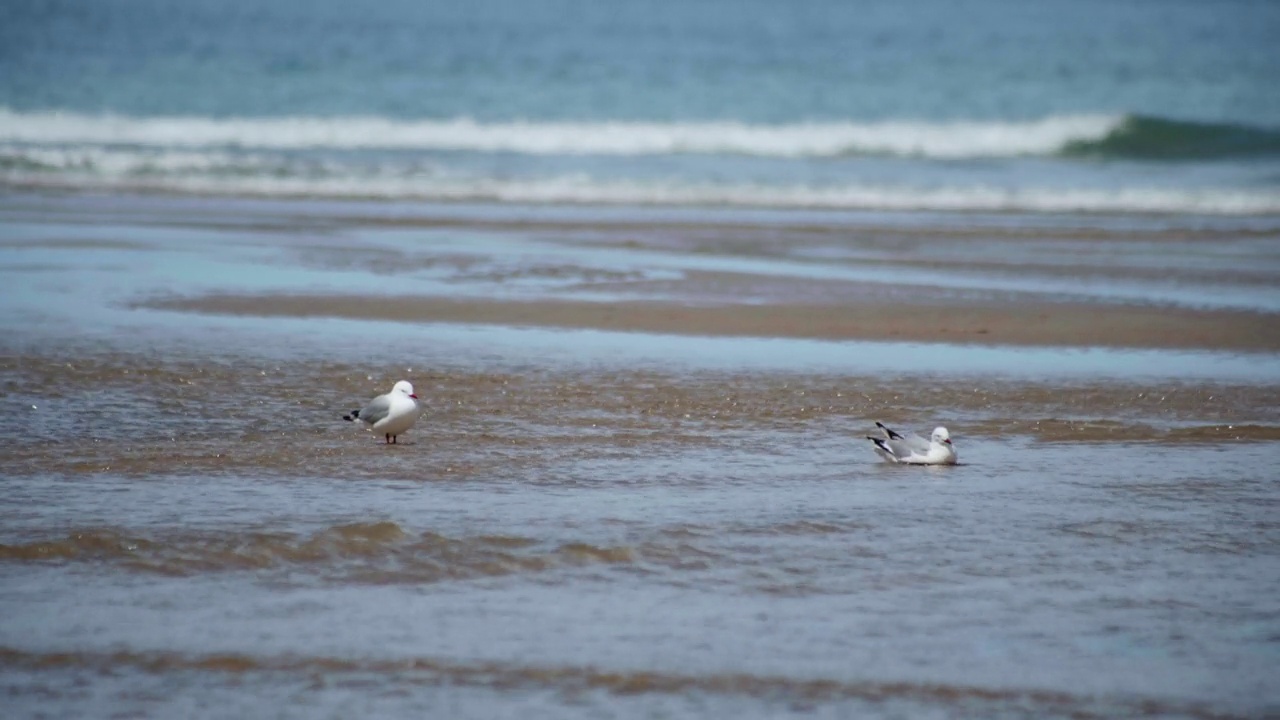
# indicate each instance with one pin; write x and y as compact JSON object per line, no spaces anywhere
{"x":916,"y":444}
{"x":904,"y":447}
{"x":377,"y":409}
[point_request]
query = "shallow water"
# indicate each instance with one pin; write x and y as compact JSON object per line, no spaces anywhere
{"x":589,"y":523}
{"x":767,"y":567}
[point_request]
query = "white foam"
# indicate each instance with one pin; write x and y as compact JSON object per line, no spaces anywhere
{"x":950,"y":140}
{"x":112,"y":162}
{"x":107,"y":171}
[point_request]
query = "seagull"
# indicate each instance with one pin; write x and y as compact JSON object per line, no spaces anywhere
{"x":915,"y":450}
{"x":390,"y":414}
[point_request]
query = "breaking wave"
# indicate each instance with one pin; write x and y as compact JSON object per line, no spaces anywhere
{"x":1121,"y":136}
{"x":1151,"y":138}
{"x":452,"y":160}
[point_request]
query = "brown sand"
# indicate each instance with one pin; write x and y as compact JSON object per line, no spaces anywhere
{"x":1022,"y":323}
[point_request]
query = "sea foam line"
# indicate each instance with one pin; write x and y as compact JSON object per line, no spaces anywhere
{"x":945,"y":140}
{"x":584,"y":190}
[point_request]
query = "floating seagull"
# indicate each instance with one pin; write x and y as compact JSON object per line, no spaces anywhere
{"x":390,"y":414}
{"x":915,"y":450}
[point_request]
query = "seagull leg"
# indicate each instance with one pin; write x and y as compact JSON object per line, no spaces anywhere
{"x":388,"y":436}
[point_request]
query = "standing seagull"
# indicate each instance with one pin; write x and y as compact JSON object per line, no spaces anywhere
{"x":915,"y":450}
{"x":390,"y":414}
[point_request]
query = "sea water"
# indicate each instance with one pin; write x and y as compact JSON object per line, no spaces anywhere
{"x":993,"y":105}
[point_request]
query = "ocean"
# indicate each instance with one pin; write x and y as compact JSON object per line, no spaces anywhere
{"x":655,"y":269}
{"x":994,"y":105}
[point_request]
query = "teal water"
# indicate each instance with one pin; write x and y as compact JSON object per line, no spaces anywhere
{"x":652,"y":60}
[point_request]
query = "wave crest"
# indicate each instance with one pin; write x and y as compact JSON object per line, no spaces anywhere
{"x":944,"y":140}
{"x":1097,"y":135}
{"x":1151,"y":138}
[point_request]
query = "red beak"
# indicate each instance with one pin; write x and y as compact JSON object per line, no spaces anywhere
{"x":415,"y":397}
{"x":947,"y":441}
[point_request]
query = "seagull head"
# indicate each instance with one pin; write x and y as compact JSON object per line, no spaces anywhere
{"x":404,"y":387}
{"x":940,"y":435}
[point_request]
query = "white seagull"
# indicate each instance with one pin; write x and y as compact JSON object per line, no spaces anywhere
{"x":915,"y":450}
{"x":390,"y":414}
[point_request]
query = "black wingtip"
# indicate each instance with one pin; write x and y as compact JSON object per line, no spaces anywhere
{"x":355,"y":415}
{"x":892,"y":435}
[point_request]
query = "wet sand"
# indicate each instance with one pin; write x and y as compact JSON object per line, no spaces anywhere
{"x":995,"y":322}
{"x":987,"y":281}
{"x":640,"y":485}
{"x":186,"y":414}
